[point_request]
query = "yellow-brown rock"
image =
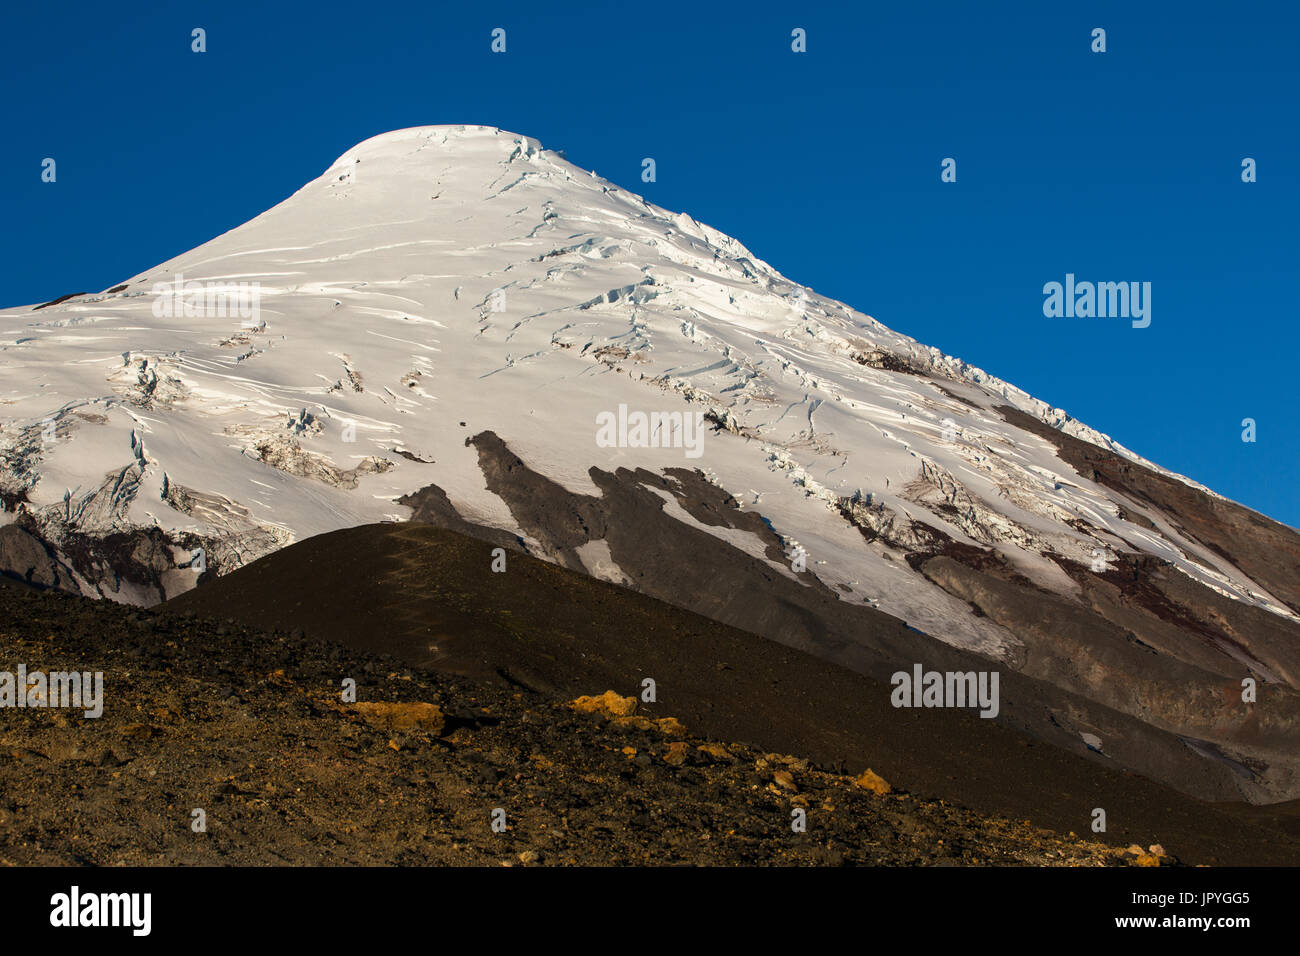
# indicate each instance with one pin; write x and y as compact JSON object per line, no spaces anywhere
{"x":716,"y":751}
{"x":870,"y":780}
{"x":608,"y":704}
{"x":622,"y":711}
{"x":391,"y":715}
{"x":676,"y":755}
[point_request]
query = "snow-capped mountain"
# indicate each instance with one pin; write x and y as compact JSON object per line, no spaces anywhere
{"x":457,"y":325}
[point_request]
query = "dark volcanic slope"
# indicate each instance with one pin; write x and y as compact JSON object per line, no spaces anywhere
{"x":428,"y":596}
{"x":1265,"y":549}
{"x":247,"y":726}
{"x":1140,"y":657}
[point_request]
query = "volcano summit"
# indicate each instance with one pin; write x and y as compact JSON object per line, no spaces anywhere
{"x":445,"y":316}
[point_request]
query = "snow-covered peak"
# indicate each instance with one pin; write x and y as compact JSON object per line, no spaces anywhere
{"x":447,"y":274}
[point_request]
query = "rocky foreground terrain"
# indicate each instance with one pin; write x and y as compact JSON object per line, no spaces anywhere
{"x":250,"y":727}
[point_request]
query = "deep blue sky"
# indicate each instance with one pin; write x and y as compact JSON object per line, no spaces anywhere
{"x":1117,"y":166}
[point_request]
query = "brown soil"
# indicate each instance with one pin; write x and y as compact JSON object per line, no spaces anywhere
{"x":248,"y":725}
{"x":427,"y":597}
